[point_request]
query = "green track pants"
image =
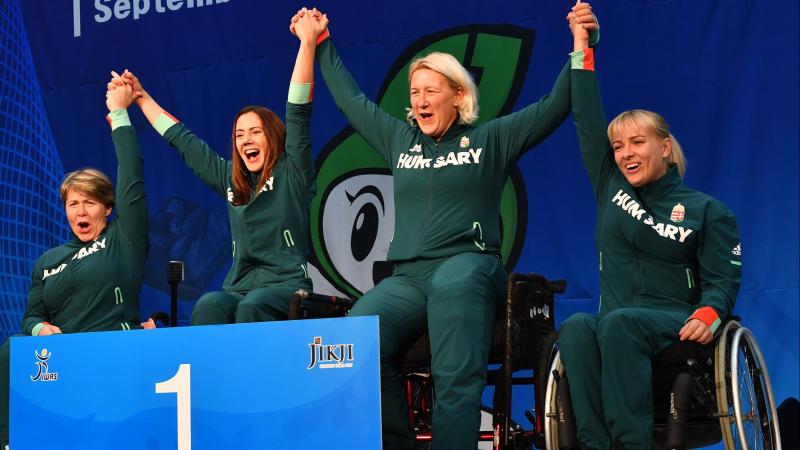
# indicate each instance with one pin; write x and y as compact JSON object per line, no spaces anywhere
{"x":456,"y":298}
{"x":259,"y":305}
{"x":607,"y":361}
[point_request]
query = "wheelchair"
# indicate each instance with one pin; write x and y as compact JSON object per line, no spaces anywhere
{"x":518,"y":339}
{"x":701,"y":395}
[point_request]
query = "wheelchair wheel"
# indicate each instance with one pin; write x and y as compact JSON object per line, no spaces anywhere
{"x":550,"y":408}
{"x":744,"y":393}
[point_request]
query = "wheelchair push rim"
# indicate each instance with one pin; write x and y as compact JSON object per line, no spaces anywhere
{"x":747,"y":407}
{"x":550,"y":419}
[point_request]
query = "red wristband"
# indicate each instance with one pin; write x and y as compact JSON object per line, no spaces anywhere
{"x":325,"y":35}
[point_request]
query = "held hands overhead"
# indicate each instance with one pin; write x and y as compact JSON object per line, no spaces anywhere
{"x":119,"y":94}
{"x":581,"y":23}
{"x":308,"y":24}
{"x":131,"y":81}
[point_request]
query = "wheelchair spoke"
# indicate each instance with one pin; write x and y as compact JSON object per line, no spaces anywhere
{"x":745,"y":384}
{"x":754,"y":413}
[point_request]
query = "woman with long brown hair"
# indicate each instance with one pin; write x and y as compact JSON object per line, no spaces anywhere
{"x":268,"y":188}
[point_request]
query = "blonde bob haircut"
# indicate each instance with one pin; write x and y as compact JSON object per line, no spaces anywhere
{"x":649,"y":122}
{"x":91,"y":183}
{"x":457,"y":76}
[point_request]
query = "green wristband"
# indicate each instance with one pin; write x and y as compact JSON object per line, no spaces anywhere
{"x":119,"y":118}
{"x":300,"y":93}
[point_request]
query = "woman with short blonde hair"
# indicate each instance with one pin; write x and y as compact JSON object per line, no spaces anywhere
{"x":92,"y":282}
{"x":457,"y":76}
{"x":91,"y":182}
{"x":448,"y":175}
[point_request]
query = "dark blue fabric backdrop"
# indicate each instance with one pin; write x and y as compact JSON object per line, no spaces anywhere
{"x":723,"y":73}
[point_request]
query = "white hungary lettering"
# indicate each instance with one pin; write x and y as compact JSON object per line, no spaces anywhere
{"x":632,"y":207}
{"x":406,"y":161}
{"x":268,"y":184}
{"x":48,"y":272}
{"x":82,"y":253}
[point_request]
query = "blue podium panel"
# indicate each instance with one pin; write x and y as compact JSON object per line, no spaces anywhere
{"x":306,"y":384}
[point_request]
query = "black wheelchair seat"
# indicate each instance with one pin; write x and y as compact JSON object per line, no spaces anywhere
{"x":682,"y":351}
{"x":700,"y":427}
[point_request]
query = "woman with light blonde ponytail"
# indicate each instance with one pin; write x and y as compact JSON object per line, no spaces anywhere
{"x":669,"y":259}
{"x":655,"y":124}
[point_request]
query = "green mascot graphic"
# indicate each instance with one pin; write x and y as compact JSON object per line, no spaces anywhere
{"x":352,"y":215}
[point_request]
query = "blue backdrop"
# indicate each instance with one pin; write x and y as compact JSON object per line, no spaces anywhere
{"x":723,"y":73}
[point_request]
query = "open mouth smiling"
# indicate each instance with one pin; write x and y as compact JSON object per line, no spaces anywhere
{"x":631,"y":167}
{"x":252,"y":154}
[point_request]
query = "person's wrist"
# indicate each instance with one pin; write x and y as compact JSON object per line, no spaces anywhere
{"x":579,"y":42}
{"x":322,"y":36}
{"x":142,"y":98}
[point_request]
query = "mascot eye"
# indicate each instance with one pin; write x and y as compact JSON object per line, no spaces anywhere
{"x":357,"y":226}
{"x":366,"y":221}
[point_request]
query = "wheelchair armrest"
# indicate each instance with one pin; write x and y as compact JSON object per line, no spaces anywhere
{"x":332,"y":300}
{"x":304,"y":305}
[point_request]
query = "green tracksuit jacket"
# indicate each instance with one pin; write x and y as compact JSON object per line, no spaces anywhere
{"x":94,"y":286}
{"x":446,"y":239}
{"x":667,"y":253}
{"x":663,"y":245}
{"x":269,"y":233}
{"x":447,"y":193}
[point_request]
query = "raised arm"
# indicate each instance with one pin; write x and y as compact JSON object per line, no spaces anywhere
{"x":308,"y":27}
{"x":209,"y":166}
{"x":587,"y":107}
{"x":520,"y":131}
{"x":131,"y":196}
{"x":526,"y":128}
{"x":301,"y":88}
{"x":376,"y":126}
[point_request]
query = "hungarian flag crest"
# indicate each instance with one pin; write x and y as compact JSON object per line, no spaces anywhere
{"x":678,"y":211}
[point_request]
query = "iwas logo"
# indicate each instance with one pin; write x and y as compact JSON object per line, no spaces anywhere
{"x":336,"y":356}
{"x":42,"y":369}
{"x":352,"y":215}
